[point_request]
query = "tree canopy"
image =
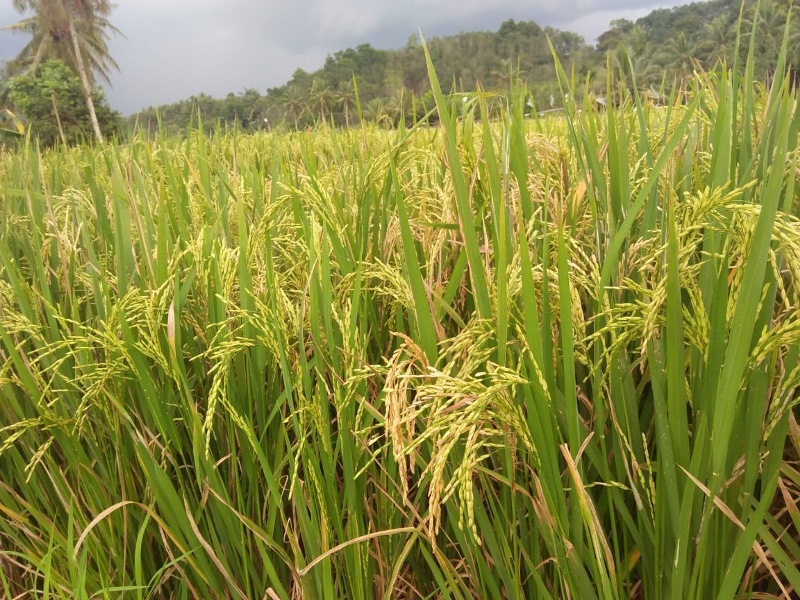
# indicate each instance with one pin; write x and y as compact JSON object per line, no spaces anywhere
{"x":51,"y":99}
{"x":48,"y":26}
{"x":72,"y":31}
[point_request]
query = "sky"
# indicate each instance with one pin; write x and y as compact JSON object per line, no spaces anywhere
{"x":173,"y":49}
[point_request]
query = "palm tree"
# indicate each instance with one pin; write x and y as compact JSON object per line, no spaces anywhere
{"x":678,"y":55}
{"x":631,"y":56}
{"x":294,"y":102}
{"x":718,"y":39}
{"x":321,"y":97}
{"x":347,"y":98}
{"x":396,"y":104}
{"x":377,"y":111}
{"x":769,"y":26}
{"x":505,"y":74}
{"x":74,"y":31}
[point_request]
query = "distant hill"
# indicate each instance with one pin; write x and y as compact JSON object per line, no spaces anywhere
{"x":663,"y":47}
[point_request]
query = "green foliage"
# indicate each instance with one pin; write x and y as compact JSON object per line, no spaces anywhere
{"x":515,"y":358}
{"x":74,"y":32}
{"x":674,"y":42}
{"x":548,"y":357}
{"x":48,"y":26}
{"x":51,"y":101}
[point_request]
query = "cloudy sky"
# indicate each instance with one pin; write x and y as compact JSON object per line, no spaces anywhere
{"x":175,"y":48}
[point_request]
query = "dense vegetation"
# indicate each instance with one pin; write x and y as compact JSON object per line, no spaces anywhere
{"x":73,"y":32}
{"x":53,"y":103}
{"x":354,"y":356}
{"x":663,"y":47}
{"x":511,"y":358}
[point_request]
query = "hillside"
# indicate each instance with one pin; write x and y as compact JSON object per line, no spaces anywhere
{"x":664,"y":47}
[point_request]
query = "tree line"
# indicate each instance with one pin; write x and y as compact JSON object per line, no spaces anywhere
{"x":383,"y":86}
{"x":662,"y":49}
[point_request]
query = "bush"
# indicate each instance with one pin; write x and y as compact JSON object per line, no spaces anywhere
{"x":51,"y":95}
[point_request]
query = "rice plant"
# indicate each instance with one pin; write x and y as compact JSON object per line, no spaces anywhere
{"x":516,"y":358}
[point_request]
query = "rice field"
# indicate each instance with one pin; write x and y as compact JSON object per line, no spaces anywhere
{"x":521,"y":358}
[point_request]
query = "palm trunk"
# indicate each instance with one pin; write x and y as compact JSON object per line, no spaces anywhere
{"x":87,"y":90}
{"x":58,"y":122}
